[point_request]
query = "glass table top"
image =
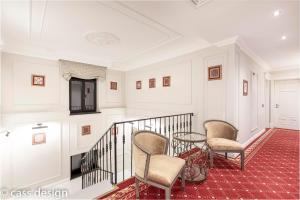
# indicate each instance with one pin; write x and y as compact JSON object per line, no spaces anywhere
{"x":189,"y":136}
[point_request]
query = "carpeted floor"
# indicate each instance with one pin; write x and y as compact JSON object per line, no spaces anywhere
{"x":271,"y":172}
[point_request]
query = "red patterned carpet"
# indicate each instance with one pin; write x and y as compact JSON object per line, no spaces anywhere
{"x":271,"y":172}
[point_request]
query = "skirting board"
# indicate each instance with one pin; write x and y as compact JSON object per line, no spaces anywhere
{"x":249,"y":141}
{"x":245,"y":144}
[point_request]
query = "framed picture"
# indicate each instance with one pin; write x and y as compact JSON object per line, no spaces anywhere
{"x":38,"y":80}
{"x":86,"y":130}
{"x":115,"y":131}
{"x":215,"y":72}
{"x":38,"y":138}
{"x":138,"y":85}
{"x":166,"y":81}
{"x":113,"y":85}
{"x":245,"y":88}
{"x":152,"y":83}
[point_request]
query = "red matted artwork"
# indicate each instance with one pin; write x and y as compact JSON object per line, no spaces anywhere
{"x":86,"y":130}
{"x":166,"y":81}
{"x":113,"y":85}
{"x":215,"y":72}
{"x":38,"y":138}
{"x":245,"y":88}
{"x":115,"y":131}
{"x":152,"y":83}
{"x":38,"y":80}
{"x":138,"y":85}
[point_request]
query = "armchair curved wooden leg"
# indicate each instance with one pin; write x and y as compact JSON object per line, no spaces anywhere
{"x":211,"y":158}
{"x":226,"y":155}
{"x":183,"y":179}
{"x":137,"y":188}
{"x":168,"y":193}
{"x":242,"y":160}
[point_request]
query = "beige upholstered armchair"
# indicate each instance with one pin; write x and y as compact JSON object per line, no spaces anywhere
{"x":221,"y":137}
{"x":152,"y":165}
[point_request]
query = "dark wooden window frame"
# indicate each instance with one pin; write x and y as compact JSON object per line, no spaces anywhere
{"x":83,"y":108}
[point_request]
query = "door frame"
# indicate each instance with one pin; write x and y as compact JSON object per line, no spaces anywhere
{"x":273,"y":101}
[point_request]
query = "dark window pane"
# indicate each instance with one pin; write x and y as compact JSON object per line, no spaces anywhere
{"x":76,"y":87}
{"x":82,"y":95}
{"x":89,"y":95}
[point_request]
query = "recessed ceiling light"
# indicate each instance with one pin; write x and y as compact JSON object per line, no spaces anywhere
{"x":283,"y":37}
{"x":276,"y":13}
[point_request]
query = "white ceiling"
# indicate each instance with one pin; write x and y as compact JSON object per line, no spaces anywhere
{"x":150,"y":31}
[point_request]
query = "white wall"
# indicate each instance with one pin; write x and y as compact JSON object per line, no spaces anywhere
{"x":23,"y":106}
{"x":284,"y":74}
{"x":2,"y":144}
{"x":190,"y":90}
{"x":253,"y":107}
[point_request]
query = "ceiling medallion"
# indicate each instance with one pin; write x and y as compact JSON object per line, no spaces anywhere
{"x":102,"y":38}
{"x":199,"y":3}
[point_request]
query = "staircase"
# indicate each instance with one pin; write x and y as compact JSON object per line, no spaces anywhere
{"x":111,"y":157}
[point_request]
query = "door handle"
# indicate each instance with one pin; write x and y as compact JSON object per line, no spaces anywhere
{"x":276,"y":105}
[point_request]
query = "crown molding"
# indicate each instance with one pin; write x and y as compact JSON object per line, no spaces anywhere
{"x":53,"y":55}
{"x":285,"y":68}
{"x":228,"y":41}
{"x":246,"y":49}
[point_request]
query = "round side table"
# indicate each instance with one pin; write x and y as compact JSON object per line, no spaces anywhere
{"x":193,"y":148}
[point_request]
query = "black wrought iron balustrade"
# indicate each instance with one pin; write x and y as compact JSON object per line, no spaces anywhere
{"x":111,"y":157}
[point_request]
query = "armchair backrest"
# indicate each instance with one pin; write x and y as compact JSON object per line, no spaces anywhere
{"x":220,"y":129}
{"x":145,"y":144}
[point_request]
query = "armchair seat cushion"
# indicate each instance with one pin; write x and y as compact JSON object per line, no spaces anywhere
{"x":164,"y":169}
{"x":222,"y":144}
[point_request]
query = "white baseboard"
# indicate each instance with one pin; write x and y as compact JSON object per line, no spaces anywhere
{"x":259,"y":133}
{"x":249,"y":141}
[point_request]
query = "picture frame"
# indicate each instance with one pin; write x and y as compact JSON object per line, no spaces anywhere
{"x":166,"y":81}
{"x":245,"y":88}
{"x":152,"y":83}
{"x":215,"y":72}
{"x":38,"y":80}
{"x":138,"y":85}
{"x":114,"y":131}
{"x":38,"y":138}
{"x":113,"y":85}
{"x":85,"y":130}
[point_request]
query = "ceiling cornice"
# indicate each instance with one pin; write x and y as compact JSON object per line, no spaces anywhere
{"x":228,"y":41}
{"x":237,"y":40}
{"x":244,"y":47}
{"x":291,"y":67}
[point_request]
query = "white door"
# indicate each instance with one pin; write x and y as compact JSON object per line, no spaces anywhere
{"x":287,"y":104}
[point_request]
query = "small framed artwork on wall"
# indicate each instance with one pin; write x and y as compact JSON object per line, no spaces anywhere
{"x":86,"y":130}
{"x":38,"y":80}
{"x":152,"y":83}
{"x":215,"y":72}
{"x":166,"y":81}
{"x":115,"y":131}
{"x":38,"y":138}
{"x":138,"y":85}
{"x":113,"y":85}
{"x":245,"y":88}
